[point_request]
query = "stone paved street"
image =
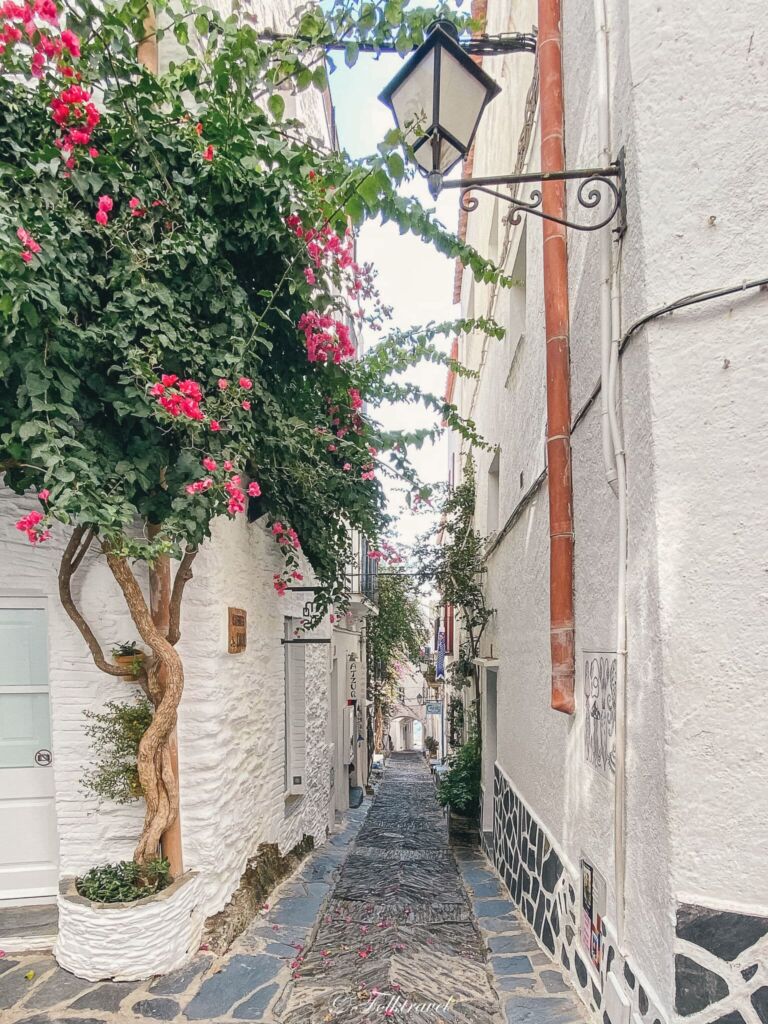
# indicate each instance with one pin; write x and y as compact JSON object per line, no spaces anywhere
{"x":408,"y":921}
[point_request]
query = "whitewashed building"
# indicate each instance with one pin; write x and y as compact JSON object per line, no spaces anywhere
{"x":266,"y":736}
{"x":666,"y":918}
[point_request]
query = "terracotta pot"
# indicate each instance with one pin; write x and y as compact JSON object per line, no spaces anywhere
{"x":132,"y":661}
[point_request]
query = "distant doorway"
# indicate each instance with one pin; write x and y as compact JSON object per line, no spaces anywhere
{"x":489,"y":710}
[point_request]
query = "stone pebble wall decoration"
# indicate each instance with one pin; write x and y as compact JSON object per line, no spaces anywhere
{"x":548,"y":895}
{"x":721,"y":966}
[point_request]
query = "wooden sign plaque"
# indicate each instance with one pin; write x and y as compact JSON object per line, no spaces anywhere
{"x":238,"y":630}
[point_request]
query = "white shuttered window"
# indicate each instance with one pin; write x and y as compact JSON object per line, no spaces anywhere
{"x":295,"y":712}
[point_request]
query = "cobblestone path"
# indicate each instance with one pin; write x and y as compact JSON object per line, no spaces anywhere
{"x":384,"y":922}
{"x":406,"y":931}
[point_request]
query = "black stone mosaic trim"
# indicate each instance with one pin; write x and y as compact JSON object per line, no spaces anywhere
{"x":526,"y":862}
{"x":547,"y":895}
{"x":739,"y":945}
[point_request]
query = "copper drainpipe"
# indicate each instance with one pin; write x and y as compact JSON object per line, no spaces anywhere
{"x":556,"y":315}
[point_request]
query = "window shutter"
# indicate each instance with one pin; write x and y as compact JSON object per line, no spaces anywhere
{"x":295,"y":713}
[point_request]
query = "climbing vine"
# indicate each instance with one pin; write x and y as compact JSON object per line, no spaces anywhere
{"x":450,"y":559}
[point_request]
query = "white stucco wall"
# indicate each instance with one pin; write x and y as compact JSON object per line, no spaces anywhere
{"x":231,"y":718}
{"x":690,"y":105}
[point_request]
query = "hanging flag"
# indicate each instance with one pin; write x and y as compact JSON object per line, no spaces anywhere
{"x":440,"y":668}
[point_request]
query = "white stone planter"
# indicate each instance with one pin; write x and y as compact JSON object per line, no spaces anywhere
{"x":129,"y":941}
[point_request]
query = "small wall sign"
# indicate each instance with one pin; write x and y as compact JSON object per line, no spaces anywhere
{"x":238,"y":630}
{"x":434,"y":707}
{"x":599,"y":710}
{"x":593,"y":892}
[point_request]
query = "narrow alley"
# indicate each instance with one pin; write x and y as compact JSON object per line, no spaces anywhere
{"x":386,"y":921}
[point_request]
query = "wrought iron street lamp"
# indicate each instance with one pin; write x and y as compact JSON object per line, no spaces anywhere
{"x":437,"y":99}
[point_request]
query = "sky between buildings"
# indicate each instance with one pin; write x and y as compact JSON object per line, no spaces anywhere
{"x":413,"y":278}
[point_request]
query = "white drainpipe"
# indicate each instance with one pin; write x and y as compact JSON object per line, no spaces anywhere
{"x":613,"y":456}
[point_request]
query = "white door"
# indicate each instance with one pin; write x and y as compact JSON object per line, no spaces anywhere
{"x":28,"y":840}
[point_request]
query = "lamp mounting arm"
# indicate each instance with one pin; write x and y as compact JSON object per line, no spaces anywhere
{"x":598,"y":185}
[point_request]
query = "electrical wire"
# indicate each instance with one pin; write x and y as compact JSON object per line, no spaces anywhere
{"x":687,"y":300}
{"x":690,"y":300}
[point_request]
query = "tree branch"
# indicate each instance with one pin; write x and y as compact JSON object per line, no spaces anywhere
{"x":75,"y":551}
{"x":183,"y":576}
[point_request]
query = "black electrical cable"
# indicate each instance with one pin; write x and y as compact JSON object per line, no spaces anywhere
{"x":690,"y":300}
{"x":687,"y":300}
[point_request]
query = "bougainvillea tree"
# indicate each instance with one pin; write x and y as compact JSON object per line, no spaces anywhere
{"x":180,"y":302}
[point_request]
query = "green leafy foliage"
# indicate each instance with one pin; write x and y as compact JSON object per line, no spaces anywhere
{"x":453,"y":563}
{"x":432,"y":746}
{"x":394,"y":635}
{"x":455,"y":720}
{"x":459,"y":787}
{"x":127,"y":649}
{"x":125,"y":881}
{"x":115,"y":734}
{"x":193,"y":272}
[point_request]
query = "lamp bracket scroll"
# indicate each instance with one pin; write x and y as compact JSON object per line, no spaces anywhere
{"x":603,"y":187}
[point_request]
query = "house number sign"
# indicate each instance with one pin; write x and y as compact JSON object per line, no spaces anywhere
{"x":238,"y":631}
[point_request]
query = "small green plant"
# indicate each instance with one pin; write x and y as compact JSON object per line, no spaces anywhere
{"x":460,"y":786}
{"x":115,"y":734}
{"x":455,"y":719}
{"x":432,"y":746}
{"x":124,"y":882}
{"x":130,"y":649}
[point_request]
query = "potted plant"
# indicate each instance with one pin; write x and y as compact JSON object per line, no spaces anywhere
{"x":459,"y":792}
{"x":431,"y":746}
{"x":130,"y":655}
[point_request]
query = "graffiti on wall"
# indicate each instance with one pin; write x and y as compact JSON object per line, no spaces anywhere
{"x":600,"y":711}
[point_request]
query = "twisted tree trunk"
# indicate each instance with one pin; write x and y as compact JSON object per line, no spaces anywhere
{"x":167,"y":674}
{"x":162,"y":680}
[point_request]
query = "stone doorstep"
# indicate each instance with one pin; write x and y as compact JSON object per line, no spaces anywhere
{"x":28,"y":928}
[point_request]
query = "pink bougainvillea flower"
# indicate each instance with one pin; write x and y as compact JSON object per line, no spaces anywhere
{"x":44,"y":495}
{"x":101,"y":217}
{"x":331,"y":448}
{"x":254,"y":490}
{"x":209,"y":464}
{"x":214,"y":425}
{"x":168,"y":379}
{"x":47,"y":10}
{"x":245,"y":383}
{"x":223,"y":384}
{"x":26,"y":256}
{"x":199,"y":128}
{"x":347,"y":466}
{"x":208,"y":153}
{"x":106,"y":203}
{"x":227,"y":465}
{"x":309,"y":274}
{"x":93,"y":152}
{"x":71,"y":42}
{"x":137,"y":210}
{"x":355,"y":399}
{"x":246,"y":405}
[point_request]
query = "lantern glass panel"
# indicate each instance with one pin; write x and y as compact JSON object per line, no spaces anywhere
{"x":413,"y":99}
{"x":462,"y":98}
